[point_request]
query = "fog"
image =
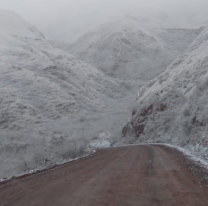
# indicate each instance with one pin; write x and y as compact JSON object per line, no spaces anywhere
{"x":58,"y":18}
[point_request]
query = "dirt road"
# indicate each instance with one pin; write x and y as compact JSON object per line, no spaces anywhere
{"x":128,"y":176}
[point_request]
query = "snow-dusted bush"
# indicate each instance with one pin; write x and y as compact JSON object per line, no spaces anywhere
{"x":19,"y":154}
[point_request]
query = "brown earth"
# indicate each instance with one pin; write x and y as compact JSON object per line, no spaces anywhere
{"x":128,"y":176}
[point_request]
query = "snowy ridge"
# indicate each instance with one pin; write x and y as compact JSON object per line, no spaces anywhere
{"x":172,"y":108}
{"x":126,"y":49}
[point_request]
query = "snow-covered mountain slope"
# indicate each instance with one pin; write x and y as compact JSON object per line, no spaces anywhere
{"x":13,"y":24}
{"x":173,"y":107}
{"x":44,"y":93}
{"x":126,"y":49}
{"x":50,"y":81}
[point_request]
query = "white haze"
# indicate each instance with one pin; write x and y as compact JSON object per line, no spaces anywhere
{"x":57,"y":18}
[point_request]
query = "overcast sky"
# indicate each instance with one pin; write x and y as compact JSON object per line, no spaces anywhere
{"x":51,"y":14}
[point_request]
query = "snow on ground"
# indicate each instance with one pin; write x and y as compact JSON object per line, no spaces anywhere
{"x":193,"y":161}
{"x":102,"y":142}
{"x":194,"y":155}
{"x":172,"y":108}
{"x":49,"y":100}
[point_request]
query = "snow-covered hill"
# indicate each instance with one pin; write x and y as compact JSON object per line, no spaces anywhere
{"x":13,"y":24}
{"x":124,"y":48}
{"x":173,"y":107}
{"x":45,"y":95}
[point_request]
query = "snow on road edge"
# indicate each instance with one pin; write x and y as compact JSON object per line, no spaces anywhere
{"x":188,"y":154}
{"x":32,"y":172}
{"x":185,"y":152}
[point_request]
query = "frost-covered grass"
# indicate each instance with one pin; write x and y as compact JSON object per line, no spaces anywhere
{"x":24,"y":167}
{"x":22,"y":154}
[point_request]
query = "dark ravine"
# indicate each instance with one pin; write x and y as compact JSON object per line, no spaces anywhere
{"x":136,"y":126}
{"x":148,"y":175}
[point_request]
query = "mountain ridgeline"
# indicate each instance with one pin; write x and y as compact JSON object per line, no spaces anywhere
{"x":126,"y":49}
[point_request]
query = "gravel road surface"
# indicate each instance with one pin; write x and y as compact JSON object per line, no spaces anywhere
{"x":127,"y":176}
